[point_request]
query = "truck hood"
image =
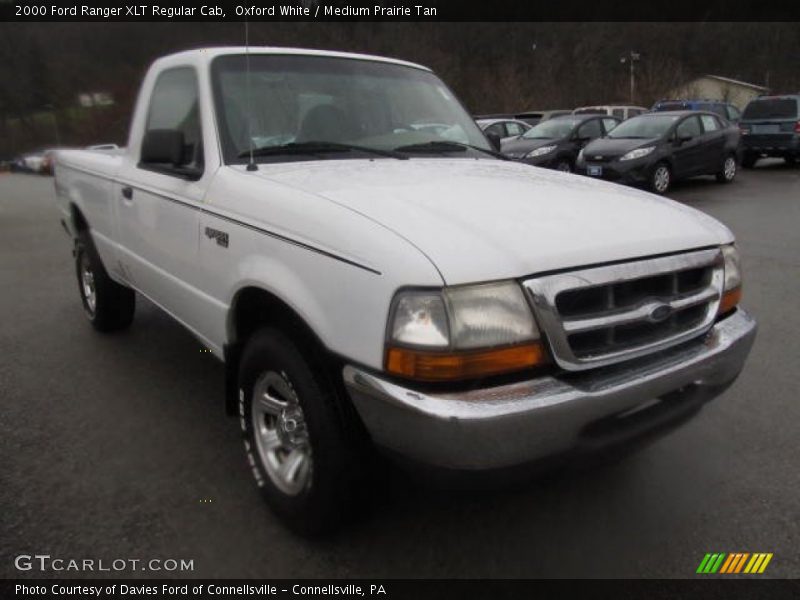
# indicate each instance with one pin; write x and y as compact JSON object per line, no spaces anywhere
{"x":485,"y":219}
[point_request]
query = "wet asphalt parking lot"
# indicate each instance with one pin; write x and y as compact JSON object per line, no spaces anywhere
{"x":117,"y":446}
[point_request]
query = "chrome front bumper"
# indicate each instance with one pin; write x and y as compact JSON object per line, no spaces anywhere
{"x":522,"y":422}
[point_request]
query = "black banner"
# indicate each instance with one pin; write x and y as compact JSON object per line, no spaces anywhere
{"x":683,"y":589}
{"x":397,"y":10}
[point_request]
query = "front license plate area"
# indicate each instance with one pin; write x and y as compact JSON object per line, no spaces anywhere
{"x":594,"y":170}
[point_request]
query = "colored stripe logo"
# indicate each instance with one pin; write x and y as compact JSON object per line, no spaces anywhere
{"x":735,"y":562}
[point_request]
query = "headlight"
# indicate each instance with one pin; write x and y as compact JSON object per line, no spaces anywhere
{"x":638,"y":153}
{"x":540,"y":151}
{"x":732,"y":288}
{"x":462,"y":332}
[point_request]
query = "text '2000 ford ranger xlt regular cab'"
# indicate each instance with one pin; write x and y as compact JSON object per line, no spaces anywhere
{"x":337,"y":229}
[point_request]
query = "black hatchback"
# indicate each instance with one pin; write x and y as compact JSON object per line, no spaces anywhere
{"x":656,"y":149}
{"x":555,"y":143}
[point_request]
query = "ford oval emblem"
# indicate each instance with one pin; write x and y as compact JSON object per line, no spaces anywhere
{"x":660,"y":313}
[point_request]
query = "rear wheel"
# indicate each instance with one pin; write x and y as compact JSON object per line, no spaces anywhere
{"x":661,"y":178}
{"x":108,"y":305}
{"x":749,"y":160}
{"x":301,"y":442}
{"x":728,"y":171}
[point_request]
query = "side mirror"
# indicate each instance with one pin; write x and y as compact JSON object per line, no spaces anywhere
{"x":163,"y":146}
{"x":494,"y":139}
{"x":682,"y":139}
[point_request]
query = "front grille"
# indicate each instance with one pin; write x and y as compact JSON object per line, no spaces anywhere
{"x":607,"y":314}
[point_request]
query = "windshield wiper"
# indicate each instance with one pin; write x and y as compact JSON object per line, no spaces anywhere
{"x":318,"y":148}
{"x":443,"y":146}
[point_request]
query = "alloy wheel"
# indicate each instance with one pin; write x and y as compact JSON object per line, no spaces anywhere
{"x":280,"y":432}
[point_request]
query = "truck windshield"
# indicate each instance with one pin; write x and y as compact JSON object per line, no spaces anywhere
{"x":298,"y":102}
{"x":650,"y":126}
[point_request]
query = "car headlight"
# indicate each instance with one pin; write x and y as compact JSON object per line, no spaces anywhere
{"x":732,"y":288}
{"x":462,"y":332}
{"x":638,"y":153}
{"x":541,"y":151}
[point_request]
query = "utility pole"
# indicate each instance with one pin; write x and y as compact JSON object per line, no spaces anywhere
{"x":632,"y":58}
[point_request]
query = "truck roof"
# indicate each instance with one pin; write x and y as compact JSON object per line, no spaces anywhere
{"x":206,"y":55}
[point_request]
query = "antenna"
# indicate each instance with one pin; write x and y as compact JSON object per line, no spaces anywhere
{"x":251,"y":165}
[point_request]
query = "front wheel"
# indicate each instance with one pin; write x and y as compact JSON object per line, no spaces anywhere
{"x":661,"y":178}
{"x":299,"y":436}
{"x":728,"y":171}
{"x":108,"y":305}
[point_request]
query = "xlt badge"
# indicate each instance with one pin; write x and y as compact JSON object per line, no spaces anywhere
{"x":216,"y":234}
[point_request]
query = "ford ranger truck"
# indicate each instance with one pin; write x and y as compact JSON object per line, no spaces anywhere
{"x":337,"y":230}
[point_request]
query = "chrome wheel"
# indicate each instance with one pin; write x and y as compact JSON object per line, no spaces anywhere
{"x":88,"y":287}
{"x":279,"y":428}
{"x":661,"y":179}
{"x":729,"y":168}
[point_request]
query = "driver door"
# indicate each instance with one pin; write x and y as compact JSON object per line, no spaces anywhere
{"x":158,"y":207}
{"x":688,"y":147}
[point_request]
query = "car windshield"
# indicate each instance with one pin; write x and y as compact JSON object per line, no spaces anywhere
{"x":552,"y":129}
{"x":357,"y":107}
{"x":773,"y":108}
{"x":649,"y":126}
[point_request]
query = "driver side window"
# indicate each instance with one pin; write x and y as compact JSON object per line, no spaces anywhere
{"x":174,"y":106}
{"x":689,"y":127}
{"x":590,"y":130}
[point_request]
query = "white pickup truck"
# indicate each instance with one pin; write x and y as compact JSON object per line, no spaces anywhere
{"x":338,"y":231}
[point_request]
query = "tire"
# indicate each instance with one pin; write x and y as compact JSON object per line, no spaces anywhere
{"x":790,"y":160}
{"x":749,"y":161}
{"x":728,"y":171}
{"x":108,"y":305}
{"x":661,"y":178}
{"x":301,"y":439}
{"x":564,"y":166}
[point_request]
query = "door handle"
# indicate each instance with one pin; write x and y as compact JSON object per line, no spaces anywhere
{"x":127,"y":192}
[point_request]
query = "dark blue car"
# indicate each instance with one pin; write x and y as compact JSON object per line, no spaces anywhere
{"x":723,"y":109}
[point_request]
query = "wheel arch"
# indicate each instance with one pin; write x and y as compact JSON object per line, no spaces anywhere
{"x":252,"y":308}
{"x":77,"y":220}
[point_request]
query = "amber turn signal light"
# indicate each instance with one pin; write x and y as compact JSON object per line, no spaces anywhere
{"x":425,"y":365}
{"x":729,"y":300}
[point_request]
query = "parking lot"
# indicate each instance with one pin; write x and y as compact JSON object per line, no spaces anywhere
{"x":117,"y":446}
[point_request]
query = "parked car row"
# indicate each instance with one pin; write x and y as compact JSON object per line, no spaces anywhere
{"x":43,"y":161}
{"x":676,"y":139}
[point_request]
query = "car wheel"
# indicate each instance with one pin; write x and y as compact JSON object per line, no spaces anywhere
{"x":790,"y":160}
{"x":661,"y":178}
{"x":300,"y":438}
{"x":108,"y":305}
{"x":564,"y":166}
{"x":749,"y":161}
{"x":728,"y":172}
